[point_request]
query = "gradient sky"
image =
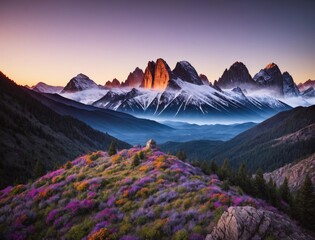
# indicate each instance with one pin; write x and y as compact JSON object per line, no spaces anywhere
{"x":52,"y":41}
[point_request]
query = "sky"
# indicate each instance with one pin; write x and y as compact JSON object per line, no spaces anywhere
{"x":52,"y":41}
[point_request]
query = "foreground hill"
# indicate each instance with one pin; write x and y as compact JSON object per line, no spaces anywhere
{"x":151,"y":196}
{"x":31,"y":132}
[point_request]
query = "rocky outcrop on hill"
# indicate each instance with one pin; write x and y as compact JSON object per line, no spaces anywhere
{"x":295,"y":173}
{"x":248,"y":223}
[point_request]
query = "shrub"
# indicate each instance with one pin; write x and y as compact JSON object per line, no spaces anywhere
{"x":112,"y":148}
{"x":225,"y":185}
{"x":79,"y":231}
{"x":141,"y":220}
{"x":218,"y":213}
{"x":144,"y":168}
{"x":125,"y":228}
{"x":68,"y":165}
{"x":181,"y":235}
{"x":149,"y":233}
{"x":135,"y":161}
{"x":95,"y":156}
{"x":116,"y":159}
{"x":81,"y":186}
{"x":101,"y":234}
{"x":141,"y":155}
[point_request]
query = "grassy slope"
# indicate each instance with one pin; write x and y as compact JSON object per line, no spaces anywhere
{"x":161,"y":198}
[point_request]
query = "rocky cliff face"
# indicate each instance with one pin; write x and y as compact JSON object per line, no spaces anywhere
{"x":248,"y":223}
{"x":295,"y":173}
{"x":134,"y":78}
{"x":236,"y":76}
{"x":148,"y":75}
{"x":289,"y":87}
{"x":157,"y":75}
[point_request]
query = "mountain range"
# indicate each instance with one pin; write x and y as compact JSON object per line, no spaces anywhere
{"x":181,"y":94}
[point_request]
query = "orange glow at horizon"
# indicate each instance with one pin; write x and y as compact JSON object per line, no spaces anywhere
{"x":46,"y":41}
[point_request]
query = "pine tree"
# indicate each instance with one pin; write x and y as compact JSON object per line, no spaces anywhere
{"x":225,"y":171}
{"x":306,"y":204}
{"x":285,"y":191}
{"x":213,"y":167}
{"x":135,"y":161}
{"x":39,"y":169}
{"x":181,"y":155}
{"x":112,"y":148}
{"x":272,"y":193}
{"x":205,"y":168}
{"x":260,"y":185}
{"x":242,"y":179}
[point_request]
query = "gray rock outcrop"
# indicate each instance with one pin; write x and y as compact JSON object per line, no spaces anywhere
{"x":248,"y":223}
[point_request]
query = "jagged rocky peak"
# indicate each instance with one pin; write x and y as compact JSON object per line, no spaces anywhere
{"x":79,"y":83}
{"x":246,"y":223}
{"x":157,"y":75}
{"x":309,"y":83}
{"x":270,"y":74}
{"x":185,"y":71}
{"x":113,"y":84}
{"x":134,"y":78}
{"x":236,"y":75}
{"x":289,"y":87}
{"x":205,"y":80}
{"x":271,"y":78}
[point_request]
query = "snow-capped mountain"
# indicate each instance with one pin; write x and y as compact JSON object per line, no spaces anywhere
{"x":270,"y":79}
{"x":79,"y":83}
{"x":182,"y":94}
{"x":45,"y":88}
{"x":190,"y":101}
